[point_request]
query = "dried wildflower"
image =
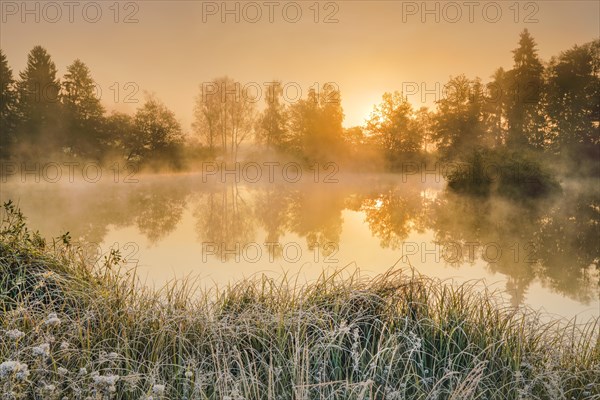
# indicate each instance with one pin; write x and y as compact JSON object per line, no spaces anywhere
{"x":15,"y":334}
{"x":106,"y":382}
{"x":52,"y":320}
{"x":158,"y":390}
{"x":49,"y":389}
{"x":20,"y":370}
{"x":43,"y":350}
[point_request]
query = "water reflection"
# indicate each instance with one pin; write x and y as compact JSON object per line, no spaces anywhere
{"x":393,"y":213}
{"x":553,"y":240}
{"x":224,"y":218}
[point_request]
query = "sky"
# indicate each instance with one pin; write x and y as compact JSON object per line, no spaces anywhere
{"x":169,"y":48}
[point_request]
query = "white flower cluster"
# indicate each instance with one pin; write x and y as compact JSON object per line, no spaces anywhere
{"x":15,"y":334}
{"x":20,"y":370}
{"x":106,"y":382}
{"x":43,"y":350}
{"x":52,"y":320}
{"x":158,"y":390}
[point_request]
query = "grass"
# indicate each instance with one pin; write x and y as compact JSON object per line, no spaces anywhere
{"x":71,"y":330}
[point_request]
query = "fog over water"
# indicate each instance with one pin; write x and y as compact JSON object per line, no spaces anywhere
{"x":542,"y":252}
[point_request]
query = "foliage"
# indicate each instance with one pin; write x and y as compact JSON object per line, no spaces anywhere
{"x":510,"y":174}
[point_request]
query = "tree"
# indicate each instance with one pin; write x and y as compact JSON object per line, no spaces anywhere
{"x":460,"y":122}
{"x":423,"y":121}
{"x":157,"y":133}
{"x":303,"y":124}
{"x":224,"y":112}
{"x":524,"y":94}
{"x":392,"y":127}
{"x":354,"y":137}
{"x":271,"y":130}
{"x":330,"y":120}
{"x":572,"y":100}
{"x":497,"y":107}
{"x":315,"y":125}
{"x":83,"y":113}
{"x":39,"y":107}
{"x":119,"y":135}
{"x":8,"y":104}
{"x":207,"y":112}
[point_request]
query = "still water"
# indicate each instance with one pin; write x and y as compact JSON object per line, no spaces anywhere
{"x":541,"y":253}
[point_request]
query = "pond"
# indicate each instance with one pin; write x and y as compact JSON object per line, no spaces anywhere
{"x":542,"y":254}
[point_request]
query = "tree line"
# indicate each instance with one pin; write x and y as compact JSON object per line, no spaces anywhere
{"x":550,"y":108}
{"x":43,"y":116}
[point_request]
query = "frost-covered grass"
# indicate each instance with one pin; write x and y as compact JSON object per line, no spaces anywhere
{"x":70,"y":330}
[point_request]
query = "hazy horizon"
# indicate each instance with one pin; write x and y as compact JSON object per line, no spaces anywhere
{"x":370,"y":41}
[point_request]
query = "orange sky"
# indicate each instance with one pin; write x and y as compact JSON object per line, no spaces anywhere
{"x":375,"y":46}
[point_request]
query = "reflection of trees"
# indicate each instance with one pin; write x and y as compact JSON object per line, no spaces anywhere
{"x":313,"y":212}
{"x":229,"y":221}
{"x":393,"y":213}
{"x":271,"y":208}
{"x":316,"y":214}
{"x":155,"y":208}
{"x":554,"y":240}
{"x":159,"y":213}
{"x":471,"y":228}
{"x":224,"y":219}
{"x":569,"y":245}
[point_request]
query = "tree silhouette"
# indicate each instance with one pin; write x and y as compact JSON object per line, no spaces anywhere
{"x":157,"y":133}
{"x":573,"y":102}
{"x":315,"y":125}
{"x":392,"y":128}
{"x":224,"y":112}
{"x":8,"y":104}
{"x":524,"y":95}
{"x":497,"y":107}
{"x":83,"y":113}
{"x":271,"y":130}
{"x":39,"y":105}
{"x":460,"y":123}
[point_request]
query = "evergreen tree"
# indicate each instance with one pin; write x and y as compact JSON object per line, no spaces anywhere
{"x":39,"y":107}
{"x":83,"y":113}
{"x":573,"y":101}
{"x":524,"y":95}
{"x":8,"y":103}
